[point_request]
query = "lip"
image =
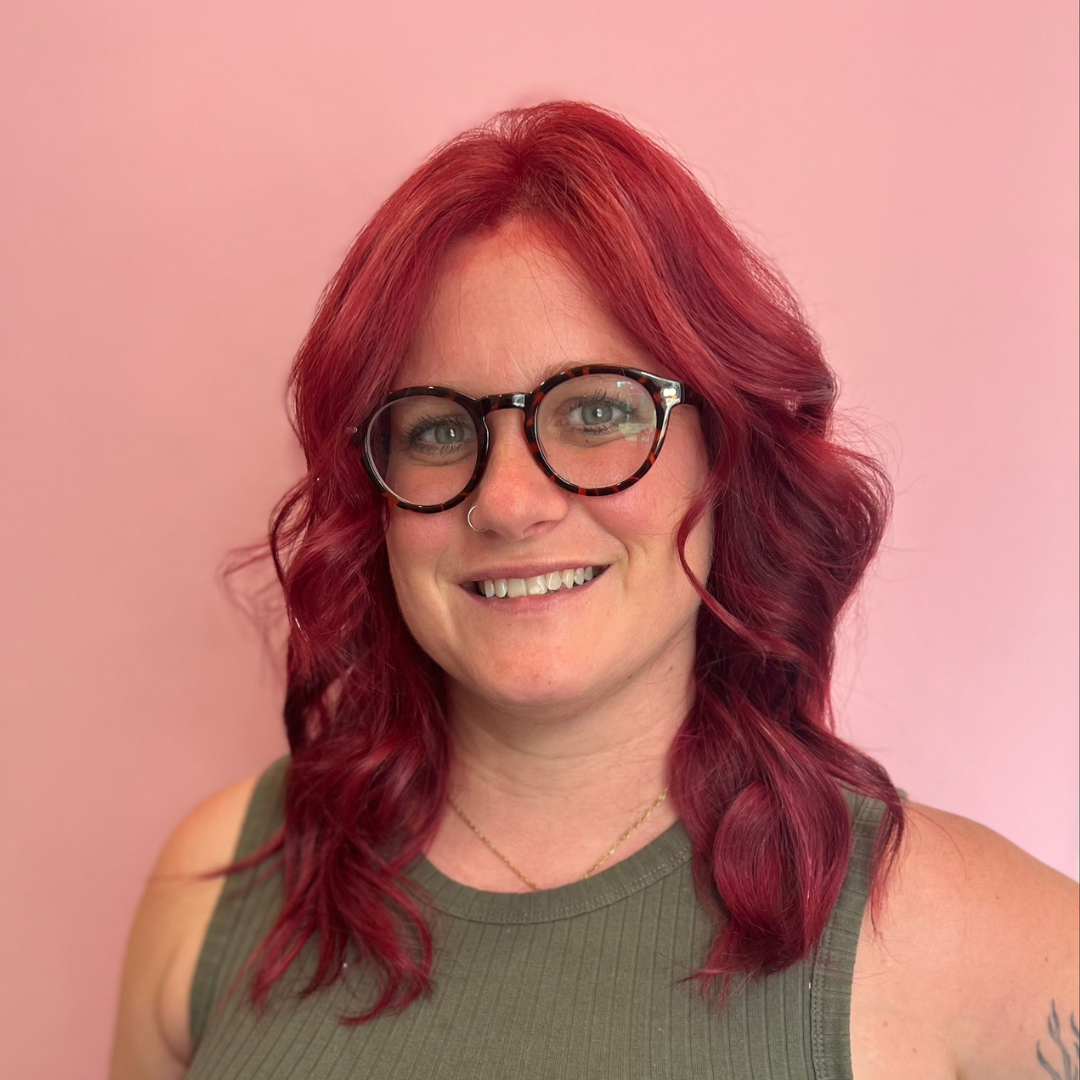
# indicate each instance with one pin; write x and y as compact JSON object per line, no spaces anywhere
{"x":526,"y":570}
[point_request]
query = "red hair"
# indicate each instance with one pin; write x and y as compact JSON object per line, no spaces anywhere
{"x":756,"y":770}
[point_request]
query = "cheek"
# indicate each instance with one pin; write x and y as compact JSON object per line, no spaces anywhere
{"x":414,"y":543}
{"x":680,"y":473}
{"x":647,"y":516}
{"x":686,"y":474}
{"x":699,"y":547}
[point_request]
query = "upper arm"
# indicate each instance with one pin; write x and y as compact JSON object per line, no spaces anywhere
{"x":1018,"y":953}
{"x":977,"y":944}
{"x":152,"y":1040}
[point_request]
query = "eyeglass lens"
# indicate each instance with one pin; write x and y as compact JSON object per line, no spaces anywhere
{"x":595,"y":431}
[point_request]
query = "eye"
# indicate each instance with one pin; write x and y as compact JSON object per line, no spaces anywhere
{"x":447,"y":433}
{"x":599,"y":412}
{"x":439,"y":433}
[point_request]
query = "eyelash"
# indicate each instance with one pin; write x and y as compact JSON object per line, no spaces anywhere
{"x":426,"y":423}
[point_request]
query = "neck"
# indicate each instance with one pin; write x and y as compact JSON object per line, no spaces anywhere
{"x":553,"y":786}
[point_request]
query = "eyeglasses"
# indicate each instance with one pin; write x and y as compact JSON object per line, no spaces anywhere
{"x":594,"y":430}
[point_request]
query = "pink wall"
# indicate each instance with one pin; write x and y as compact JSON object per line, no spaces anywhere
{"x":179,"y":180}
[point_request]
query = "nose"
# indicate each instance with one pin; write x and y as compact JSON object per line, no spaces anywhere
{"x":516,"y":499}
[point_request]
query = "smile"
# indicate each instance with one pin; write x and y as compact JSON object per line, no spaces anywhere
{"x":540,"y":585}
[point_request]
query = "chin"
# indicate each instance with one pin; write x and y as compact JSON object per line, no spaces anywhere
{"x":524,"y":682}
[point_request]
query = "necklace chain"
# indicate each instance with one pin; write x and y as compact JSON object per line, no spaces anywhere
{"x":588,"y":873}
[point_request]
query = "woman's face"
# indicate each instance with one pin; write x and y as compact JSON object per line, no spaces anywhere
{"x":505,"y":315}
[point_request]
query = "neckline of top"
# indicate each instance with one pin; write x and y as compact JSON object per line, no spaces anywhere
{"x":659,"y":858}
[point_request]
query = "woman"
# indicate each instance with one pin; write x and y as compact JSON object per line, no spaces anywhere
{"x":563,"y":799}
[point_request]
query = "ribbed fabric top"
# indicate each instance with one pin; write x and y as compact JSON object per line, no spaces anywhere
{"x":576,"y":983}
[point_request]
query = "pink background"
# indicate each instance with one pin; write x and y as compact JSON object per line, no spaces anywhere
{"x":177,"y":183}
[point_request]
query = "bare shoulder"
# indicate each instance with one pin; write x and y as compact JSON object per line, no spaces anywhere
{"x":152,"y":1036}
{"x":974,"y":951}
{"x":207,"y":837}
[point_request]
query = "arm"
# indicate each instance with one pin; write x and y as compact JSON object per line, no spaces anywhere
{"x":152,"y":1039}
{"x":975,"y":957}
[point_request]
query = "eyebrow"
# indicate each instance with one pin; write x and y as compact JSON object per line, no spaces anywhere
{"x":546,"y":373}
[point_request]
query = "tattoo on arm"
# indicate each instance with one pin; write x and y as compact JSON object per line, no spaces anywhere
{"x":1068,"y":1047}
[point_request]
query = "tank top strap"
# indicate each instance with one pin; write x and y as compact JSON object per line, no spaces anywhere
{"x":834,"y":961}
{"x":265,"y":815}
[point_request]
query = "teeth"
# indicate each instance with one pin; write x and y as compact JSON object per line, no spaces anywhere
{"x":536,"y":586}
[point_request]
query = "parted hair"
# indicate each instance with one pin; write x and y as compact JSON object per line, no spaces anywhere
{"x":756,"y":769}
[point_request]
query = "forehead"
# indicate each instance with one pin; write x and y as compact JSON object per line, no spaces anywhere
{"x":506,"y":312}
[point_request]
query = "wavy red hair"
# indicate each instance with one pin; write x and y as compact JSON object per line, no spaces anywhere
{"x":756,"y":769}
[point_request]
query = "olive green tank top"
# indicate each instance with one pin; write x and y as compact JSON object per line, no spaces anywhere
{"x":583,"y":982}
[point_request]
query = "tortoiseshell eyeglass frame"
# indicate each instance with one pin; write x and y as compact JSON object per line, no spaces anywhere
{"x":666,"y":394}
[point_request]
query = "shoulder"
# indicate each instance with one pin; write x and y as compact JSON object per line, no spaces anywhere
{"x":152,"y":1036}
{"x":974,"y":946}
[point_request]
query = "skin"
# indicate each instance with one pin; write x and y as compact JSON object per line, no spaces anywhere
{"x":563,"y":708}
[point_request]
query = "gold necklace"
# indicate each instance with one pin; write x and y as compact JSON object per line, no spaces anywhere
{"x":588,"y":873}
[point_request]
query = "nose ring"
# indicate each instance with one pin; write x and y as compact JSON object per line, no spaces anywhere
{"x":468,"y":521}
